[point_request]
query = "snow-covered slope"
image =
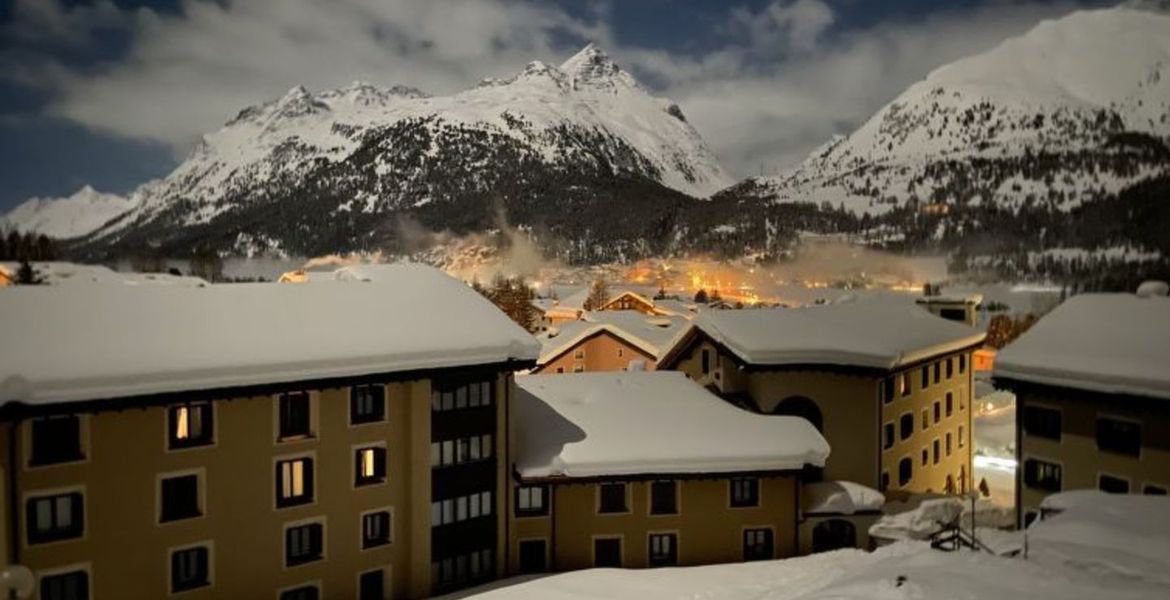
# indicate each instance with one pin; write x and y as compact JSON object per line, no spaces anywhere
{"x":1076,"y":109}
{"x":381,"y":150}
{"x":71,"y":216}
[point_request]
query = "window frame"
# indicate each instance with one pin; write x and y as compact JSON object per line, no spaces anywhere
{"x":1037,"y":484}
{"x":542,"y":510}
{"x":209,"y":567}
{"x":769,"y":542}
{"x":208,"y":421}
{"x":905,"y":432}
{"x":672,"y":556}
{"x":905,"y":481}
{"x":30,"y":444}
{"x":1103,"y":475}
{"x":601,"y":506}
{"x":1118,"y":450}
{"x":310,"y":480}
{"x":380,"y":462}
{"x":78,"y":516}
{"x":321,"y":554}
{"x":381,"y":400}
{"x":520,"y":543}
{"x":675,"y":501}
{"x":621,"y":550}
{"x":200,"y":495}
{"x":889,"y":435}
{"x":312,"y":417}
{"x":754,"y":498}
{"x":84,"y":568}
{"x":283,"y":593}
{"x":365,"y":543}
{"x":1034,"y":408}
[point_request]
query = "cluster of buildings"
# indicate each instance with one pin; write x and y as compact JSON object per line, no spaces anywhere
{"x":369,"y":436}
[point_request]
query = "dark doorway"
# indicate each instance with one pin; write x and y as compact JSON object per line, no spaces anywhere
{"x":834,"y":534}
{"x":799,"y":406}
{"x":532,"y":556}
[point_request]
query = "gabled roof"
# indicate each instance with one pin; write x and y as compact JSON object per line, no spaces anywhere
{"x":59,"y":345}
{"x":863,"y":334}
{"x":633,"y":295}
{"x":639,"y":423}
{"x":650,"y":334}
{"x":1112,"y":343}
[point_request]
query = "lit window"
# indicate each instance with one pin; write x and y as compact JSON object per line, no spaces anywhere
{"x":905,"y":385}
{"x":294,"y":482}
{"x":190,"y":425}
{"x":370,"y":466}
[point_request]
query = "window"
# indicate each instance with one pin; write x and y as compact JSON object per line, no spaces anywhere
{"x":73,"y":585}
{"x":372,"y":585}
{"x":745,"y":491}
{"x":664,"y":498}
{"x":294,"y":482}
{"x":937,"y":411}
{"x":925,"y":457}
{"x":888,"y":436}
{"x":925,"y":377}
{"x":578,"y":368}
{"x":376,"y":528}
{"x":56,"y":440}
{"x":306,"y":592}
{"x":906,"y":426}
{"x":179,"y":498}
{"x":937,"y":372}
{"x":472,"y":395}
{"x":1153,"y":490}
{"x":1040,"y":421}
{"x":613,"y":498}
{"x":367,"y":404}
{"x":962,"y":363}
{"x":533,"y":555}
{"x":53,"y":518}
{"x":950,"y":367}
{"x":905,"y":384}
{"x":925,"y":419}
{"x":621,"y":352}
{"x":948,"y":443}
{"x":190,"y":425}
{"x":607,"y":552}
{"x":663,"y":550}
{"x":369,"y":466}
{"x":1121,"y":437}
{"x":190,"y":569}
{"x":452,"y":510}
{"x":580,"y":353}
{"x":705,"y":357}
{"x":935,"y":447}
{"x":888,"y":389}
{"x":905,"y":471}
{"x":560,"y":369}
{"x":961,"y":436}
{"x":950,"y":403}
{"x":304,"y":544}
{"x":1112,"y":485}
{"x":757,"y":544}
{"x":530,"y":501}
{"x":1042,"y":475}
{"x":295,"y":415}
{"x":461,"y":450}
{"x":885,"y":483}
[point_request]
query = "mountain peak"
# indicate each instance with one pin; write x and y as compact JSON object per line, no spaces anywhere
{"x":590,"y":64}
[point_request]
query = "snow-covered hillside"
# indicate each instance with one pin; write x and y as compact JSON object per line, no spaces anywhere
{"x":1076,"y":109}
{"x":381,"y":150}
{"x":71,"y":216}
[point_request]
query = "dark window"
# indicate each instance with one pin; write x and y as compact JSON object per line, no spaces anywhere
{"x":757,"y":544}
{"x":65,"y":586}
{"x":459,"y":397}
{"x":367,"y":404}
{"x":56,"y":440}
{"x":190,"y":569}
{"x":745,"y":491}
{"x":706,"y":360}
{"x":937,"y":372}
{"x":1121,"y":437}
{"x":935,"y":447}
{"x":294,"y":482}
{"x":937,"y":411}
{"x":607,"y":552}
{"x":190,"y":425}
{"x":369,"y":466}
{"x":950,"y":367}
{"x":905,"y":471}
{"x":834,"y":534}
{"x":532,"y":556}
{"x":303,"y":544}
{"x":531,"y":500}
{"x":906,"y":426}
{"x":52,"y":518}
{"x":885,"y":484}
{"x":295,"y":415}
{"x":925,"y":457}
{"x":663,"y":498}
{"x":925,"y":419}
{"x":613,"y":498}
{"x":308,"y":592}
{"x":888,"y":390}
{"x":1113,"y":485}
{"x":962,"y":363}
{"x":888,"y":436}
{"x":1042,"y":422}
{"x":1042,"y":475}
{"x":372,"y":585}
{"x":1153,"y":490}
{"x":376,"y":528}
{"x":953,"y":314}
{"x":180,"y":498}
{"x":948,"y":443}
{"x":663,"y":550}
{"x":925,"y":377}
{"x":950,"y":403}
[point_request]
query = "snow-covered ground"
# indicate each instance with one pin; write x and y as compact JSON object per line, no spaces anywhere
{"x":1126,"y":559}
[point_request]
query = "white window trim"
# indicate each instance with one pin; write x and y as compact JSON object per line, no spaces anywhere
{"x":385,"y":406}
{"x":353,"y":449}
{"x":210,"y":545}
{"x":86,"y":567}
{"x":83,"y":430}
{"x":167,"y":449}
{"x":361,"y":532}
{"x":284,"y":543}
{"x":39,"y":493}
{"x":317,"y":583}
{"x":310,"y":454}
{"x":201,"y":475}
{"x":314,"y":419}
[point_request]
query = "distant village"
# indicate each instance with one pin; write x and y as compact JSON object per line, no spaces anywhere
{"x":386,"y":430}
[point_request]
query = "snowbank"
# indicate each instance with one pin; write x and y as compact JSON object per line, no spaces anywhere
{"x":867,"y":334}
{"x":840,"y":497}
{"x":922,"y":516}
{"x":1112,"y":343}
{"x":627,"y":423}
{"x":116,"y":340}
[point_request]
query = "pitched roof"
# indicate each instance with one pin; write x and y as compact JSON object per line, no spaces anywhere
{"x":108,"y":341}
{"x":864,"y":334}
{"x":650,"y":334}
{"x":658,"y":422}
{"x":1112,"y":343}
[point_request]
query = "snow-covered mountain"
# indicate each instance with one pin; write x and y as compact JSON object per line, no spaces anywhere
{"x":1075,"y":110}
{"x":362,"y":153}
{"x":84,"y":211}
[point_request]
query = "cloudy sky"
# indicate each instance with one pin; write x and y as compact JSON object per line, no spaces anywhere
{"x":114,"y":92}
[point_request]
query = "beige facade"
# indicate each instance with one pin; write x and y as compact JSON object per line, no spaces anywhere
{"x":1064,"y":444}
{"x":707,"y":529}
{"x":602,"y":351}
{"x":127,"y":552}
{"x":853,"y":407}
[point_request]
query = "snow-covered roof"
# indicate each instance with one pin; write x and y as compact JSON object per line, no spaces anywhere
{"x":651,"y":334}
{"x":1112,"y":343}
{"x":660,"y":422}
{"x":840,"y":498}
{"x":67,"y":273}
{"x":115,"y":341}
{"x":972,"y":299}
{"x":865,"y":334}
